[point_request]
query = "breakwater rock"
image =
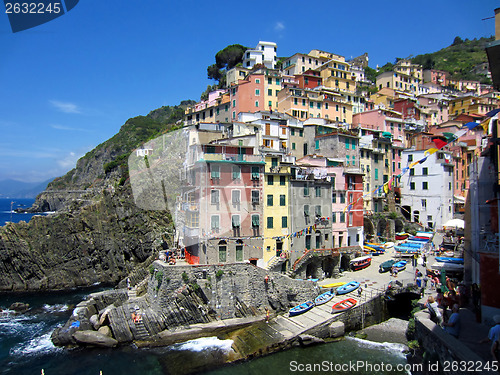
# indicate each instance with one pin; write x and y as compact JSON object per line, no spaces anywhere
{"x":184,"y":302}
{"x":100,"y":241}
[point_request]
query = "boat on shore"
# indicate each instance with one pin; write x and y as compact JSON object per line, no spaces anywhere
{"x":448,"y":267}
{"x":389,"y":245}
{"x":386,"y":266}
{"x":360,"y":263}
{"x":401,"y":236}
{"x":348,"y":288}
{"x":450,"y":260}
{"x":302,"y":308}
{"x":324,"y":298}
{"x":400,"y":266}
{"x":344,"y":305}
{"x":333,"y":285}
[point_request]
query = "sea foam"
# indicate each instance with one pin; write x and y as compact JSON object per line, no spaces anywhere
{"x":206,"y":343}
{"x":36,"y":346}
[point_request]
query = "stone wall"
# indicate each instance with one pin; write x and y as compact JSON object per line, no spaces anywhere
{"x":230,"y":290}
{"x":442,"y":347}
{"x":371,"y":312}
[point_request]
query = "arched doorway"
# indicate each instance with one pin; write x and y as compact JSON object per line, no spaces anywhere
{"x":399,"y":225}
{"x":381,"y":227}
{"x":368,"y":227}
{"x":406,"y":211}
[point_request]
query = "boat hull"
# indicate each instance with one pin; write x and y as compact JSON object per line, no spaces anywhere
{"x":302,"y":308}
{"x":333,"y":285}
{"x":344,"y":305}
{"x":348,"y":288}
{"x":324,"y":298}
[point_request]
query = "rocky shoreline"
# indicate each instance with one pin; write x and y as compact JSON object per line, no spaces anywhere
{"x":179,"y":303}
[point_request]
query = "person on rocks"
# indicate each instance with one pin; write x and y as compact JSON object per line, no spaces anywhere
{"x":452,"y":326}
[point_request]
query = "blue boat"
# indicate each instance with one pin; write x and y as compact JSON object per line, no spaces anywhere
{"x":450,"y":260}
{"x":324,"y":298}
{"x":401,"y":249}
{"x":348,"y":288}
{"x":302,"y":308}
{"x":411,"y":244}
{"x":400,"y":266}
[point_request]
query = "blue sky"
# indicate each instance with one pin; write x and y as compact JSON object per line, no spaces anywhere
{"x":69,"y":84}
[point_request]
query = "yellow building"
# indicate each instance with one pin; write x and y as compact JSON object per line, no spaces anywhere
{"x":406,"y":67}
{"x":336,"y":74}
{"x":472,"y":105}
{"x":272,"y":86}
{"x":398,"y":81}
{"x":277,"y":220}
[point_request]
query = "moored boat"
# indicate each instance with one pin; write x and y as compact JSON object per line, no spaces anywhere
{"x":302,"y":308}
{"x":344,"y":305}
{"x":386,"y":266}
{"x":348,"y":288}
{"x":360,"y":263}
{"x":324,"y":298}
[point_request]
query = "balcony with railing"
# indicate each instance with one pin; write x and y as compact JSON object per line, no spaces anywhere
{"x":238,"y":158}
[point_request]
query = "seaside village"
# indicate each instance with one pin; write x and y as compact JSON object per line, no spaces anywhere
{"x":298,"y":169}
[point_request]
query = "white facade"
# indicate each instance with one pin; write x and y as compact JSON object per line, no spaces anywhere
{"x":264,"y":53}
{"x":427,"y":191}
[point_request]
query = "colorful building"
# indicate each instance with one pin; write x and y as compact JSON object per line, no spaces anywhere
{"x":276,"y":205}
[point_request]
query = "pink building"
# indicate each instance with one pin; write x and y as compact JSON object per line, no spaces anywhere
{"x":438,"y":77}
{"x":384,"y":120}
{"x":248,"y":95}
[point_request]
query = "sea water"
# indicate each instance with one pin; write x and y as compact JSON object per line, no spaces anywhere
{"x":10,"y":215}
{"x":26,"y":348}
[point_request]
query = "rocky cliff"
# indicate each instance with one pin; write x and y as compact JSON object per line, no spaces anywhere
{"x":99,"y":242}
{"x":97,"y":233}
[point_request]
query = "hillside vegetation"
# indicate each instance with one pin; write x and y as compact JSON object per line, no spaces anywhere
{"x":459,"y":59}
{"x":109,"y":159}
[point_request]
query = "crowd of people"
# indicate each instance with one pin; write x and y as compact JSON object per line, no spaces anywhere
{"x":444,"y":310}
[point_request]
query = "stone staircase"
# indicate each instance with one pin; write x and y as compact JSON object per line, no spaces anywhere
{"x":275,"y":262}
{"x":138,"y":328}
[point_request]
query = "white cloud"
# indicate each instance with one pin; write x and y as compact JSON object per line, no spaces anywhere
{"x":65,"y":107}
{"x":279,"y":26}
{"x":69,"y":128}
{"x":69,"y":161}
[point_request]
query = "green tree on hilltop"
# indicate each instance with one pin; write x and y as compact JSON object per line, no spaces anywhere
{"x":225,"y":59}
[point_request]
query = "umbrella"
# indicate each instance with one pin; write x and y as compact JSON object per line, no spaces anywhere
{"x":454,"y":223}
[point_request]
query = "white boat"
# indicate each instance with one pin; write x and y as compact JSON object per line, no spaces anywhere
{"x":447,"y":266}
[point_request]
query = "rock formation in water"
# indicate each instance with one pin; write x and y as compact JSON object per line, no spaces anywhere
{"x":177,"y":302}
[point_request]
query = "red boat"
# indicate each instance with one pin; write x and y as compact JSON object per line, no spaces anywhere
{"x":344,"y":305}
{"x":402,"y":236}
{"x":360,"y":263}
